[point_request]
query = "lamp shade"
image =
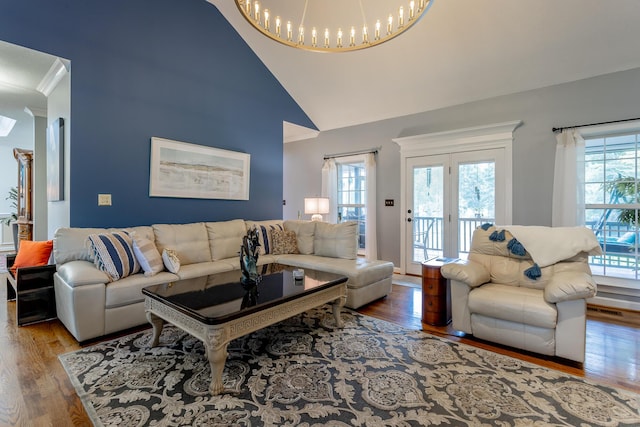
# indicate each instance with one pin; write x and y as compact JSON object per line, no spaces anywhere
{"x":316,"y":206}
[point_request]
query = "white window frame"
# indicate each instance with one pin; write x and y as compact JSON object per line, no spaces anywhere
{"x":608,"y":284}
{"x":360,"y":158}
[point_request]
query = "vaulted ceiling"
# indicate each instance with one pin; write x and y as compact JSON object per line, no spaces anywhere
{"x":461,"y":51}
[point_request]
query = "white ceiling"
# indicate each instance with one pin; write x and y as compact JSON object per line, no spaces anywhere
{"x":461,"y":51}
{"x":21,"y":71}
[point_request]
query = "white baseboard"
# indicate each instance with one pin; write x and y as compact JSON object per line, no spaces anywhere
{"x":617,"y":302}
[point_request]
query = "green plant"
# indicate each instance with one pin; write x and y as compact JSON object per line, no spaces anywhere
{"x":13,"y":196}
{"x":625,"y":188}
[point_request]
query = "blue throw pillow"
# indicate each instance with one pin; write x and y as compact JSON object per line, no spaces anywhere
{"x":113,"y":254}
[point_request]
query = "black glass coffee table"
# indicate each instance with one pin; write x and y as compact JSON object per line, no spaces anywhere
{"x":217,"y":308}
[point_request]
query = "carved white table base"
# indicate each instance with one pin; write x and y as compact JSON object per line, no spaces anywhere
{"x":216,"y":338}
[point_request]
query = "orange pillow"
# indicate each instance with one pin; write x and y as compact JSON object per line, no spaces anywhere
{"x":32,"y":254}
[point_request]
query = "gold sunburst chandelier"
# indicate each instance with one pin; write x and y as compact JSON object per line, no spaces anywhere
{"x":332,"y":25}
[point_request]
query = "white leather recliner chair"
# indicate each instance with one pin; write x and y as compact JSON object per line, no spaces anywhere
{"x":508,"y":298}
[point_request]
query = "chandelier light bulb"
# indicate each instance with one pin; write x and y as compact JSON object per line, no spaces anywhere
{"x":256,"y":12}
{"x":401,"y":15}
{"x":266,"y":19}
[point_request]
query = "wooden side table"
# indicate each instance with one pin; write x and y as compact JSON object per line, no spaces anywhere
{"x":436,"y":294}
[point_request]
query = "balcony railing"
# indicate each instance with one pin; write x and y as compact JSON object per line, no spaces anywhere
{"x":428,"y":235}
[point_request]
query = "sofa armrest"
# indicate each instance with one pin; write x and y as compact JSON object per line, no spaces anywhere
{"x":468,"y":272}
{"x":569,"y":285}
{"x":80,"y":273}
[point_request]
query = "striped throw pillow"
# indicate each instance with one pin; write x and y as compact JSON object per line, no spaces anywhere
{"x":113,"y":254}
{"x":264,"y":238}
{"x":147,"y":255}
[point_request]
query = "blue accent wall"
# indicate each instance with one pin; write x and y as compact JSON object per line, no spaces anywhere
{"x":175,"y":69}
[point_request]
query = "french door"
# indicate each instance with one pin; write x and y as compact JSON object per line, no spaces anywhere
{"x":448,"y":196}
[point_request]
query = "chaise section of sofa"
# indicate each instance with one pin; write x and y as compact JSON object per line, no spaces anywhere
{"x":91,"y":304}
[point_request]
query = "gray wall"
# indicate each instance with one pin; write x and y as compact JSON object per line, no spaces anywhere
{"x":609,"y":97}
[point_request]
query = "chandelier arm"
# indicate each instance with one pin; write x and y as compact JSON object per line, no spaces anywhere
{"x":364,"y":18}
{"x":304,"y":13}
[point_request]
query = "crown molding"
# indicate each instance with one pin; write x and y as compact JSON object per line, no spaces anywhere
{"x":292,"y":132}
{"x":50,"y":80}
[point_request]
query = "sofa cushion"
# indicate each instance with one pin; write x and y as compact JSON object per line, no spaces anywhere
{"x":190,"y":241}
{"x":129,"y":290}
{"x":305,"y":231}
{"x":264,"y":233}
{"x":225,"y":238}
{"x":204,"y":269}
{"x":69,"y":243}
{"x":284,"y":242}
{"x":336,"y":240}
{"x":360,"y":271}
{"x":113,"y":254}
{"x":515,"y":304}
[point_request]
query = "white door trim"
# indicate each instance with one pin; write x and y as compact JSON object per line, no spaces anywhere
{"x":497,"y":135}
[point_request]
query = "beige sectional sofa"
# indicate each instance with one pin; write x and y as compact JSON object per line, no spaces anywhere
{"x":90,"y":305}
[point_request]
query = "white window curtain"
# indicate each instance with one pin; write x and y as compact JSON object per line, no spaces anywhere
{"x":568,"y":180}
{"x":371,"y":245}
{"x":330,"y":188}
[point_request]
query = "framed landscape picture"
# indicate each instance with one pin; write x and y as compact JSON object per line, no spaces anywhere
{"x":180,"y":169}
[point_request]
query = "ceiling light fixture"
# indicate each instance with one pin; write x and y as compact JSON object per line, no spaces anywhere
{"x":341,"y":26}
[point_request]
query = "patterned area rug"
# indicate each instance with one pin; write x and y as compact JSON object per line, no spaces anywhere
{"x":303,"y":372}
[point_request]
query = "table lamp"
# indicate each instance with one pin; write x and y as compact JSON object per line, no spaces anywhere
{"x":316,"y":206}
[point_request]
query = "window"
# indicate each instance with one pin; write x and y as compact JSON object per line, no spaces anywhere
{"x":612,"y":202}
{"x":352,"y":198}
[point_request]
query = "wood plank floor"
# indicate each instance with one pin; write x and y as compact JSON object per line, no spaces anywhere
{"x":35,"y":390}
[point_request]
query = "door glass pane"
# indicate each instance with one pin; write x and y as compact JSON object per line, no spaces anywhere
{"x":476,"y":200}
{"x":428,"y":202}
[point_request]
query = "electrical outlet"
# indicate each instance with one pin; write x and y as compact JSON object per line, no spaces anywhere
{"x":104,"y":199}
{"x":389,"y":202}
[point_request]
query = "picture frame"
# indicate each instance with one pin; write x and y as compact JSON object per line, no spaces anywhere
{"x":55,"y":160}
{"x":184,"y":170}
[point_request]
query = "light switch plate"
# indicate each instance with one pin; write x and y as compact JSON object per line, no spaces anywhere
{"x":104,"y":199}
